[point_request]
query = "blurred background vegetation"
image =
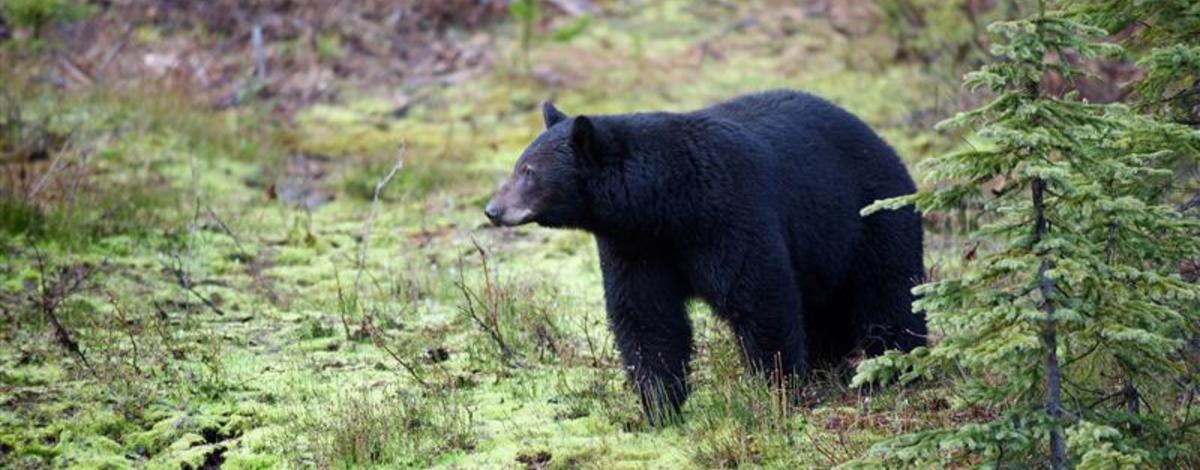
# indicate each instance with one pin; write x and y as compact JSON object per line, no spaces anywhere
{"x":248,"y":234}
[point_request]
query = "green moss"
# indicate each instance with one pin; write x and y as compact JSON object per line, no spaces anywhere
{"x":160,"y":435}
{"x":31,"y":375}
{"x":275,"y":380}
{"x":239,"y":461}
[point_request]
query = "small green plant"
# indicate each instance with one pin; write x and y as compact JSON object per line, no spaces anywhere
{"x":572,"y":30}
{"x":329,"y":47}
{"x":527,"y":13}
{"x":37,"y":14}
{"x":19,"y":217}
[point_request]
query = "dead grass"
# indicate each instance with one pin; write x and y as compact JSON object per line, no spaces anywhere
{"x":386,"y":426}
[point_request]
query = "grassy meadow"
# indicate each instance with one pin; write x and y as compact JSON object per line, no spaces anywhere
{"x":189,"y":287}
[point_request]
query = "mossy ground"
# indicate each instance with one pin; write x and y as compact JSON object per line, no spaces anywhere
{"x":227,"y":321}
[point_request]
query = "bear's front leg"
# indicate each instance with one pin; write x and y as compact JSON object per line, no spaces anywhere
{"x":647,"y":313}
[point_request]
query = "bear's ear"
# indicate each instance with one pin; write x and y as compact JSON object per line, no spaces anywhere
{"x":551,"y":115}
{"x":584,"y":140}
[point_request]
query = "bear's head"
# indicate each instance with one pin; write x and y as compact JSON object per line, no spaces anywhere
{"x":547,"y":185}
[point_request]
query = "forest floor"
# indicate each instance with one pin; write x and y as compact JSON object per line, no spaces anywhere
{"x":228,"y":288}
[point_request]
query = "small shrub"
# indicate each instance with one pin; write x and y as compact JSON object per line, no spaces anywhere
{"x":19,"y":217}
{"x":37,"y":14}
{"x":527,"y":13}
{"x":519,"y":320}
{"x":329,"y":47}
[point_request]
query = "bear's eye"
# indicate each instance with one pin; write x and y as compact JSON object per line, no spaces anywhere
{"x":527,"y":170}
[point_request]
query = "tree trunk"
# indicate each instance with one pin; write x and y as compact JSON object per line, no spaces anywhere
{"x":1049,"y":336}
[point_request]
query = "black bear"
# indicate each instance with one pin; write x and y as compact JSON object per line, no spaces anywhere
{"x":751,"y":205}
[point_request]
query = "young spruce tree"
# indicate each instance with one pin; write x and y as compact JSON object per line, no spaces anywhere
{"x":1070,"y":326}
{"x":1164,"y":37}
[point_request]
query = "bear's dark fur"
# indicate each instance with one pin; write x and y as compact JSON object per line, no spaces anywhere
{"x":751,"y":205}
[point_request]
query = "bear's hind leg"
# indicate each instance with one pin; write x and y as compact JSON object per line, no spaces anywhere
{"x":883,"y":319}
{"x":884,"y":274}
{"x":764,"y":308}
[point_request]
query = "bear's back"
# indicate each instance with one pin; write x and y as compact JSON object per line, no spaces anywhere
{"x":764,"y":109}
{"x":811,"y":136}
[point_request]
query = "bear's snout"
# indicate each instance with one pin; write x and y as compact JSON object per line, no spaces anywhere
{"x":493,"y":212}
{"x":503,"y":213}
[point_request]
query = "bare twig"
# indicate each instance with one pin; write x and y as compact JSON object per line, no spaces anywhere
{"x":181,"y":276}
{"x":368,"y":224}
{"x":55,"y":165}
{"x":115,"y":49}
{"x":379,"y":341}
{"x":125,"y":324}
{"x":260,"y":54}
{"x":237,"y":241}
{"x":599,"y":357}
{"x":52,"y":295}
{"x":345,"y":304}
{"x":360,"y":264}
{"x":75,"y":71}
{"x":488,"y":320}
{"x":829,"y":455}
